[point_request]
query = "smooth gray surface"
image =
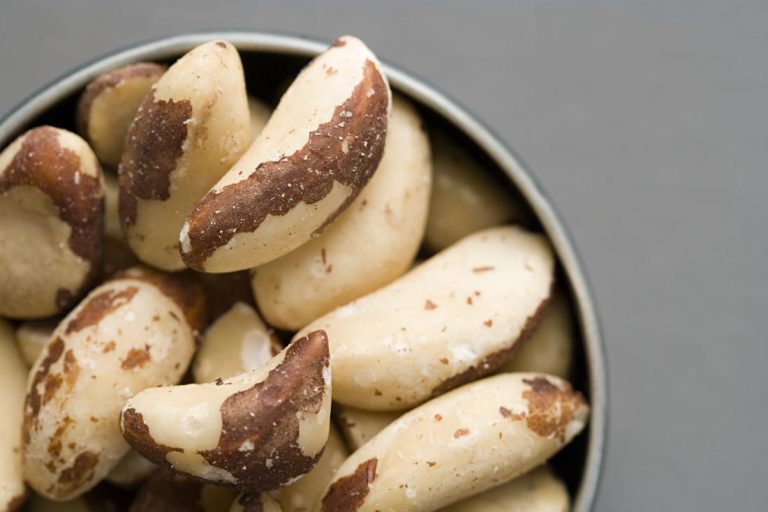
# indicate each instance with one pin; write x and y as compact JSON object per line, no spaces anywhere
{"x":646,"y":122}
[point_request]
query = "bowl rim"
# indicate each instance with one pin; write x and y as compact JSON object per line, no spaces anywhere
{"x":430,"y":96}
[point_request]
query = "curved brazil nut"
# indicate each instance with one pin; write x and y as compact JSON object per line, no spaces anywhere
{"x":373,"y":242}
{"x":256,"y":431}
{"x":13,"y":377}
{"x":316,"y":153}
{"x":51,"y":222}
{"x":450,"y":320}
{"x":462,"y":443}
{"x":109,"y":104}
{"x":133,"y":332}
{"x":191,"y":127}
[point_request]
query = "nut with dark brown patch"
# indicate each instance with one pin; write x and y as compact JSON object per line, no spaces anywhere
{"x":189,"y":130}
{"x":372,"y":243}
{"x":13,"y":377}
{"x":256,"y":431}
{"x":129,"y":334}
{"x":406,"y":353}
{"x":318,"y":150}
{"x":51,"y":222}
{"x":482,"y":440}
{"x":108,"y":105}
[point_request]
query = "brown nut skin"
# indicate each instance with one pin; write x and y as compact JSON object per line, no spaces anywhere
{"x":51,"y":222}
{"x":135,"y":331}
{"x":318,"y":150}
{"x":169,"y":492}
{"x":108,"y":105}
{"x":256,"y":431}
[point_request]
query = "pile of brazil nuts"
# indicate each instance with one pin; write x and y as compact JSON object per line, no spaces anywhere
{"x":211,"y":305}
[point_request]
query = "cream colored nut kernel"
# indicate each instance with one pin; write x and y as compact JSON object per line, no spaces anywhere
{"x":450,"y":320}
{"x":319,"y":148}
{"x":132,"y":470}
{"x":191,"y":128}
{"x":373,"y":242}
{"x":360,"y":426}
{"x":237,"y":342}
{"x":98,"y":499}
{"x":255,"y":432}
{"x":169,"y":492}
{"x":51,"y":222}
{"x":259,"y":115}
{"x":539,"y":490}
{"x":550,"y":348}
{"x":465,"y":196}
{"x":252,"y":502}
{"x":304,"y":494}
{"x":13,"y":376}
{"x":130,"y":333}
{"x":109,"y":104}
{"x":462,"y":443}
{"x":32,"y":337}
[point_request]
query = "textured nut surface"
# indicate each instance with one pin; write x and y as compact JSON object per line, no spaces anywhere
{"x":132,"y":332}
{"x":191,"y":128}
{"x":256,"y":431}
{"x":168,"y":492}
{"x":539,"y":490}
{"x":465,"y":196}
{"x":459,"y":444}
{"x":360,"y":426}
{"x":132,"y":470}
{"x":373,"y":242}
{"x":450,"y":320}
{"x":108,"y":105}
{"x":237,"y":342}
{"x":318,"y":150}
{"x":32,"y":337}
{"x":51,"y":198}
{"x":550,"y":348}
{"x":13,"y":376}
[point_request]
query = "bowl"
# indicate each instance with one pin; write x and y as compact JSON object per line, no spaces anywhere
{"x":274,"y":58}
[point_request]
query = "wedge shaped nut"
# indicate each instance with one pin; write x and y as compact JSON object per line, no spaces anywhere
{"x":108,"y":105}
{"x":539,"y":490}
{"x":13,"y":377}
{"x":459,"y":444}
{"x":256,"y":431}
{"x":450,"y":320}
{"x":169,"y":492}
{"x":550,"y":348}
{"x":320,"y":147}
{"x":51,"y":222}
{"x":191,"y":128}
{"x":237,"y":342}
{"x":373,"y":242}
{"x":133,"y":332}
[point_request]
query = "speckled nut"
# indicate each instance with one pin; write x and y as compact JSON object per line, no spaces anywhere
{"x":373,"y":242}
{"x":13,"y":377}
{"x":360,"y":426}
{"x":133,"y":332}
{"x":32,"y":337}
{"x":466,"y":197}
{"x":169,"y":492}
{"x":189,"y":130}
{"x":318,"y":150}
{"x":259,"y":115}
{"x":237,"y":342}
{"x":108,"y":105}
{"x":450,"y":320}
{"x":256,"y":432}
{"x":550,"y":348}
{"x":459,"y":444}
{"x":255,"y":502}
{"x":539,"y":490}
{"x":132,"y":470}
{"x":51,"y":222}
{"x":99,"y":499}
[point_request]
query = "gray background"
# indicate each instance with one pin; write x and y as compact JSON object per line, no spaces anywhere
{"x":646,"y":122}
